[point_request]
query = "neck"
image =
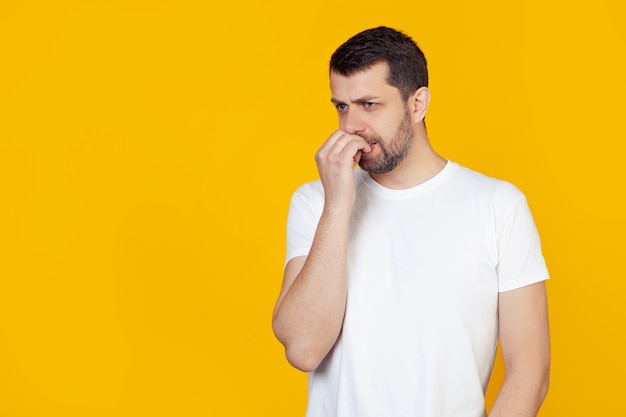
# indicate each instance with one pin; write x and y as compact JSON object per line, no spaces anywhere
{"x":421,"y":164}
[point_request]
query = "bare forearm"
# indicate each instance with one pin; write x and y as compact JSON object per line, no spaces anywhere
{"x":310,"y":309}
{"x":308,"y":319}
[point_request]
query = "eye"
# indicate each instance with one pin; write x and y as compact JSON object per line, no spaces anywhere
{"x":369,"y":105}
{"x":341,"y":107}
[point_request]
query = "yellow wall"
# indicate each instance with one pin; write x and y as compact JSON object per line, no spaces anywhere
{"x":148,"y":151}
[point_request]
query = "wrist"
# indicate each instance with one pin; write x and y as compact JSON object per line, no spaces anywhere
{"x":338,"y":207}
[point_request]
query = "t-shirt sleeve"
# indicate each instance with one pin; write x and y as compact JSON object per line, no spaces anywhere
{"x":304,"y":213}
{"x":520,"y":261}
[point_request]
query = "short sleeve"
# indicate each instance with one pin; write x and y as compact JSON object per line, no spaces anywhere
{"x":520,"y":260}
{"x":305,"y":210}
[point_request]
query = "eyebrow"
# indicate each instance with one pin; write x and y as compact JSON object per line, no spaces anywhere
{"x":364,"y":99}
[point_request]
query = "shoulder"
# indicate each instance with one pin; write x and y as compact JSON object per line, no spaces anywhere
{"x":313,"y":192}
{"x":309,"y":191}
{"x":307,"y":201}
{"x":497,"y":191}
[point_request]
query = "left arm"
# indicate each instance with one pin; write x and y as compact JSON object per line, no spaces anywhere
{"x":525,"y":345}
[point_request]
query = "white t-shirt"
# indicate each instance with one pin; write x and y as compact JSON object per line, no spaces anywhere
{"x":425,"y":266}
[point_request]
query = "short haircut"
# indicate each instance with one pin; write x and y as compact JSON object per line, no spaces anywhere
{"x":406,"y":61}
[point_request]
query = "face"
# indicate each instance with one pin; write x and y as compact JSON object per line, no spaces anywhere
{"x":371,"y":108}
{"x":391,"y":152}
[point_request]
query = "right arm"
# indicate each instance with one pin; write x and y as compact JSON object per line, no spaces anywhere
{"x":309,"y":312}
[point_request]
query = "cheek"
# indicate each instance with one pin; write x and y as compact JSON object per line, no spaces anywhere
{"x":386,"y":131}
{"x":387,"y":125}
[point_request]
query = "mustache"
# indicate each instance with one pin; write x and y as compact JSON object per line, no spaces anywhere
{"x":369,"y":139}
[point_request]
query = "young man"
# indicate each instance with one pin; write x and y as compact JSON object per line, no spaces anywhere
{"x":402,"y":274}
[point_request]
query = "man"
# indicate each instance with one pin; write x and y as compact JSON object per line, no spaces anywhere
{"x":401,"y":275}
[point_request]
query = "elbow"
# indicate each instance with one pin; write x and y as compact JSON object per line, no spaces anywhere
{"x":306,"y":360}
{"x":543,"y":378}
{"x":542,"y":383}
{"x":305,"y":349}
{"x":545,"y":384}
{"x":302,"y":353}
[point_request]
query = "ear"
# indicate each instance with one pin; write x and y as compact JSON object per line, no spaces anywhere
{"x":418,"y":104}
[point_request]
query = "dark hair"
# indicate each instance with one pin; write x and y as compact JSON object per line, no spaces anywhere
{"x":406,"y":61}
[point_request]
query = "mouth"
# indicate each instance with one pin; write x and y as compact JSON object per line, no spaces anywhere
{"x":370,"y":142}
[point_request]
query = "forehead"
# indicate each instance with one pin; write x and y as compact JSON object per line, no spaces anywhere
{"x":371,"y":82}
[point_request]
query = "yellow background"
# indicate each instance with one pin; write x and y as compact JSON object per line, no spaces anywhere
{"x":148,"y":151}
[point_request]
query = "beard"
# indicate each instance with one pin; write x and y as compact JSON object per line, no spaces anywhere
{"x":391,"y":154}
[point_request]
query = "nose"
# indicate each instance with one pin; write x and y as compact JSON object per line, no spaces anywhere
{"x":352,"y":122}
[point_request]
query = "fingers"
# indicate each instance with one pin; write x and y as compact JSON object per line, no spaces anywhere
{"x":335,"y":162}
{"x":342,"y":148}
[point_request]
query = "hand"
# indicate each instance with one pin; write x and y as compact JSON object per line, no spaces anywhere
{"x":335,"y":162}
